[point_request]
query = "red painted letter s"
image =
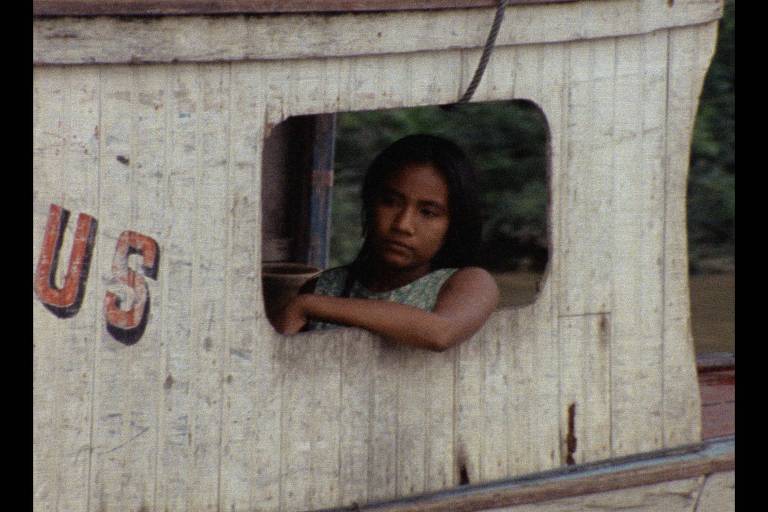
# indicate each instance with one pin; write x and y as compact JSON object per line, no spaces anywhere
{"x":127,"y":326}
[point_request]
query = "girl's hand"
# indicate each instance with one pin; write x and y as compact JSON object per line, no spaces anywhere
{"x":293,"y":317}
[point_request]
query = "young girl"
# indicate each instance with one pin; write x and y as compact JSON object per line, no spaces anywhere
{"x":413,"y":281}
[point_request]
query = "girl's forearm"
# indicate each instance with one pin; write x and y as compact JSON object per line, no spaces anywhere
{"x":404,"y":324}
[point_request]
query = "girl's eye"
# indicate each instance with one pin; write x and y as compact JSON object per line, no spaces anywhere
{"x":429,"y":213}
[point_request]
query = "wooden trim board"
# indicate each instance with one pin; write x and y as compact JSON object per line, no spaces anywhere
{"x":199,"y":38}
{"x":713,"y":456}
{"x":181,"y":7}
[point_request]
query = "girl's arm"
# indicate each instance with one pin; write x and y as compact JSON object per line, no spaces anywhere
{"x":464,"y":303}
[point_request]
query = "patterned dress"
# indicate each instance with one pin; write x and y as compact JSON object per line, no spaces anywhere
{"x":421,"y":293}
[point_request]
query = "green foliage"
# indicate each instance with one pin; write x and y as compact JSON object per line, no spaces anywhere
{"x":711,"y":186}
{"x":506,"y":142}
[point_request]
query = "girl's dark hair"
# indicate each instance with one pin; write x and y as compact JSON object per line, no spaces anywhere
{"x":464,"y":231}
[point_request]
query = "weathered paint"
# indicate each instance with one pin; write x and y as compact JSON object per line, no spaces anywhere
{"x":212,"y":410}
{"x":686,"y":479}
{"x":126,"y":324}
{"x":64,"y":301}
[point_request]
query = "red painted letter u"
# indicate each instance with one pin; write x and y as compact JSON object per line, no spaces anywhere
{"x":65,"y":301}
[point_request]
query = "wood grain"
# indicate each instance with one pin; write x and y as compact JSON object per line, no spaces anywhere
{"x":184,"y":7}
{"x":101,"y":39}
{"x":694,"y":45}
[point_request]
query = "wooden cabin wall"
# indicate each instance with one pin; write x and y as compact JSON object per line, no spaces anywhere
{"x":210,"y":409}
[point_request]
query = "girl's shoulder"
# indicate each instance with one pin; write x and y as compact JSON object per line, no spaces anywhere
{"x":471,"y":280}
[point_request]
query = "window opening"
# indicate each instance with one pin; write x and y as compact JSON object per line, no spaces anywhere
{"x":508,"y":144}
{"x":313,"y":171}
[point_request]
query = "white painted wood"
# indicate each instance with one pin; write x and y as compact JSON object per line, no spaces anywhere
{"x":718,"y":493}
{"x":207,"y":341}
{"x":324,"y":434}
{"x":586,"y":201}
{"x":128,"y":377}
{"x":221,"y":38}
{"x":497,"y":373}
{"x":250,"y":459}
{"x":585,"y":355}
{"x":439,"y":466}
{"x":469,"y":435}
{"x":355,"y":419}
{"x":382,"y":457}
{"x":538,"y":350}
{"x":45,"y":465}
{"x":149,"y":161}
{"x":689,"y":53}
{"x":212,"y":410}
{"x":411,"y":422}
{"x":178,"y":439}
{"x":637,"y":282}
{"x":65,"y":123}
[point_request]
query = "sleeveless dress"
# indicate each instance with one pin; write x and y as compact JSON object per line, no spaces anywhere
{"x":421,"y":293}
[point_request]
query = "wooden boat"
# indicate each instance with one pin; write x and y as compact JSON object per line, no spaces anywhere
{"x":159,"y":383}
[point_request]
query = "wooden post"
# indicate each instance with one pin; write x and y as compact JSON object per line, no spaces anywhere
{"x":320,"y":190}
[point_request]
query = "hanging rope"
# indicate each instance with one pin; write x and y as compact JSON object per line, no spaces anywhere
{"x":487,"y":50}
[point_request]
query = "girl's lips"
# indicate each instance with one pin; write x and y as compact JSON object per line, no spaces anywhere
{"x":398,"y":245}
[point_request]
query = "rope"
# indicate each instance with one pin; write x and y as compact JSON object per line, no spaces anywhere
{"x":487,"y":50}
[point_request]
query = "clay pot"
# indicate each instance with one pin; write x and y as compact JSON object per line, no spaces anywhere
{"x":281,"y":282}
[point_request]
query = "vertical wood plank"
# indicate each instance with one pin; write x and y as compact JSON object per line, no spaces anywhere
{"x":585,"y":260}
{"x":75,"y":381}
{"x":468,"y":413}
{"x":66,"y":174}
{"x":311,"y":431}
{"x":149,"y":167}
{"x":439,"y":466}
{"x":522,"y":434}
{"x":496,"y":354}
{"x":49,"y":101}
{"x":324,"y":432}
{"x":295,"y":427}
{"x":689,"y":54}
{"x":127,"y":375}
{"x":355,"y":416}
{"x":208,"y":328}
{"x":382,"y":457}
{"x":533,"y":387}
{"x":545,"y":362}
{"x":636,"y":385}
{"x":543,"y":385}
{"x":432,"y":77}
{"x":585,"y":344}
{"x":411,"y":421}
{"x":175,"y":451}
{"x":374,"y":83}
{"x":250,"y":442}
{"x":538,"y":356}
{"x":500,"y":76}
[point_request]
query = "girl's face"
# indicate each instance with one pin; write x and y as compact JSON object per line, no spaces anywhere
{"x":411,"y":218}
